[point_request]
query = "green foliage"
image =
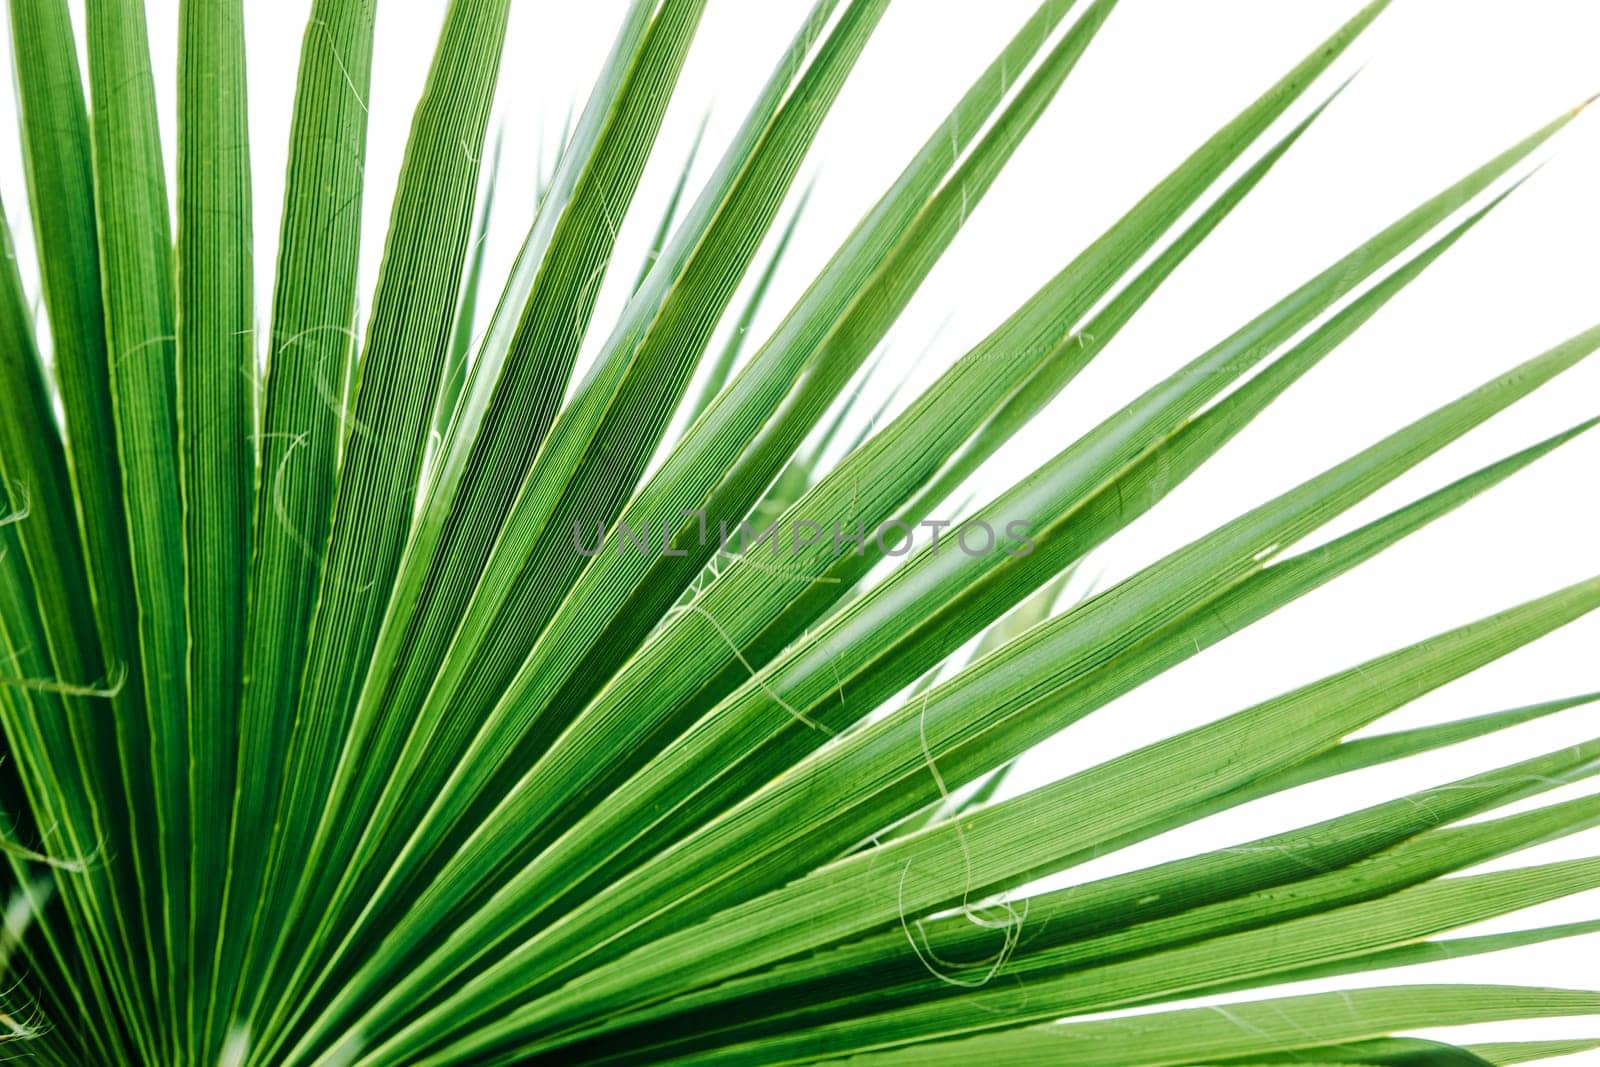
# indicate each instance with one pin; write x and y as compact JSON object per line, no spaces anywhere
{"x":327,"y":744}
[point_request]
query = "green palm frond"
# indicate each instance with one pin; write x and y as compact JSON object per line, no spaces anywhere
{"x":515,"y":681}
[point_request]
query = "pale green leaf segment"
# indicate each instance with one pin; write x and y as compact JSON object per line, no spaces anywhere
{"x":1510,"y":1052}
{"x":1254,"y":1032}
{"x":669,"y":213}
{"x":722,"y":367}
{"x":328,"y":740}
{"x":455,"y":371}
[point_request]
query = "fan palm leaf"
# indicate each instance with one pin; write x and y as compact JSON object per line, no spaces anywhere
{"x":552,"y":686}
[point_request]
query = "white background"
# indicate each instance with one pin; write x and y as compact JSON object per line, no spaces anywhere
{"x":1446,"y":84}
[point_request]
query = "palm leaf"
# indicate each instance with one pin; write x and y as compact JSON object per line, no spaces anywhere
{"x":342,"y":726}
